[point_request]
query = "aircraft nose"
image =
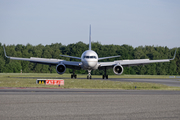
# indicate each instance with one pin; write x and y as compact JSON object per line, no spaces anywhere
{"x":90,"y":64}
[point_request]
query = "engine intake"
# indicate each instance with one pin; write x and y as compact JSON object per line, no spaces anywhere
{"x":118,"y":69}
{"x":60,"y":68}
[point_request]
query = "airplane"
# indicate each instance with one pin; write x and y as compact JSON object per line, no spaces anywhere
{"x":89,"y":61}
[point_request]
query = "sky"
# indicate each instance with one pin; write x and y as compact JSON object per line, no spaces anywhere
{"x":118,"y":22}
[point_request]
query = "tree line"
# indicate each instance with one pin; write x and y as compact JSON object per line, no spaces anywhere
{"x":76,"y":49}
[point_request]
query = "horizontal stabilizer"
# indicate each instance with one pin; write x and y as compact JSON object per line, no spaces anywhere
{"x":108,"y":57}
{"x":71,"y":57}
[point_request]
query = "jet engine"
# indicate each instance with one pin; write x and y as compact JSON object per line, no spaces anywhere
{"x":60,"y":68}
{"x":118,"y":69}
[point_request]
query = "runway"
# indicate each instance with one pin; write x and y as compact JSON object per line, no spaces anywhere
{"x":67,"y":104}
{"x":97,"y":104}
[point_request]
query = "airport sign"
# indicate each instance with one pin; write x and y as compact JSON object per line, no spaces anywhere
{"x":50,"y":81}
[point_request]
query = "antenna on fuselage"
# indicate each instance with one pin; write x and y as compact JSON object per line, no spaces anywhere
{"x":90,"y":37}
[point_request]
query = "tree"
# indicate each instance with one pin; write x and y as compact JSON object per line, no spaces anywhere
{"x":76,"y":49}
{"x":13,"y":67}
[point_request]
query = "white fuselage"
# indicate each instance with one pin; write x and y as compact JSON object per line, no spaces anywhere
{"x":89,"y":60}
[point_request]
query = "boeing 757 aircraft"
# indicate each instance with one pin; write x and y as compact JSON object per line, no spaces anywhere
{"x":89,"y":61}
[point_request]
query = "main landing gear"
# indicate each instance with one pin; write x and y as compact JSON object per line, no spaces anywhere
{"x":105,"y":76}
{"x":89,"y":74}
{"x":73,"y":75}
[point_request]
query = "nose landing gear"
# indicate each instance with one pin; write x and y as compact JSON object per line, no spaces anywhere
{"x":89,"y":74}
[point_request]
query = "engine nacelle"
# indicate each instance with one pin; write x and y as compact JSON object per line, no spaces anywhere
{"x":118,"y":69}
{"x":60,"y":68}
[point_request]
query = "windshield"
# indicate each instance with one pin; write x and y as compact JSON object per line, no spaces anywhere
{"x":87,"y":57}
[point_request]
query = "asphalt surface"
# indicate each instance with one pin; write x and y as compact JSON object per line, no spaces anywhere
{"x":87,"y":104}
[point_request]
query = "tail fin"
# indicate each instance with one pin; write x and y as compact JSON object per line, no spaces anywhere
{"x":90,"y":38}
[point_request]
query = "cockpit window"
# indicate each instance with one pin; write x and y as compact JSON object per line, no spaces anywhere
{"x":94,"y":57}
{"x":87,"y":57}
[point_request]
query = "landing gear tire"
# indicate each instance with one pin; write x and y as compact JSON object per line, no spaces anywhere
{"x":73,"y":76}
{"x":105,"y":77}
{"x":89,"y":74}
{"x":89,"y":77}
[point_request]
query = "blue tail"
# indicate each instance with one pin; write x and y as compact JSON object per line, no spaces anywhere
{"x":90,"y":38}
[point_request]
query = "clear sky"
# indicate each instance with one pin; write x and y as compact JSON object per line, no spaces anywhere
{"x":132,"y":22}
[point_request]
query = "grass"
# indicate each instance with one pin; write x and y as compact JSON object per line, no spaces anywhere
{"x":29,"y":80}
{"x":80,"y":76}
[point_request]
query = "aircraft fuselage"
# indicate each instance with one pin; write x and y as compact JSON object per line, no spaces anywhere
{"x":89,"y":60}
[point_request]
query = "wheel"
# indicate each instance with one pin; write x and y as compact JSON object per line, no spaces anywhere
{"x":106,"y":76}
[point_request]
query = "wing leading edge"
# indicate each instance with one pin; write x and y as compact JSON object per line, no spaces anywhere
{"x":134,"y":62}
{"x":69,"y":64}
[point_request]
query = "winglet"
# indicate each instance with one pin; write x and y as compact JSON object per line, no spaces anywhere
{"x":5,"y":52}
{"x":174,"y":55}
{"x":90,"y":37}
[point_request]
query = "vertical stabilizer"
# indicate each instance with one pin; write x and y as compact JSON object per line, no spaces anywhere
{"x":90,"y":38}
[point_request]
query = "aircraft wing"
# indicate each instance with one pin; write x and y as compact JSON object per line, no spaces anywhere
{"x":133,"y":62}
{"x":139,"y":62}
{"x":38,"y":60}
{"x":51,"y":61}
{"x":127,"y":63}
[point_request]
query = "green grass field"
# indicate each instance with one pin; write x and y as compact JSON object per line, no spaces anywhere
{"x":29,"y":80}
